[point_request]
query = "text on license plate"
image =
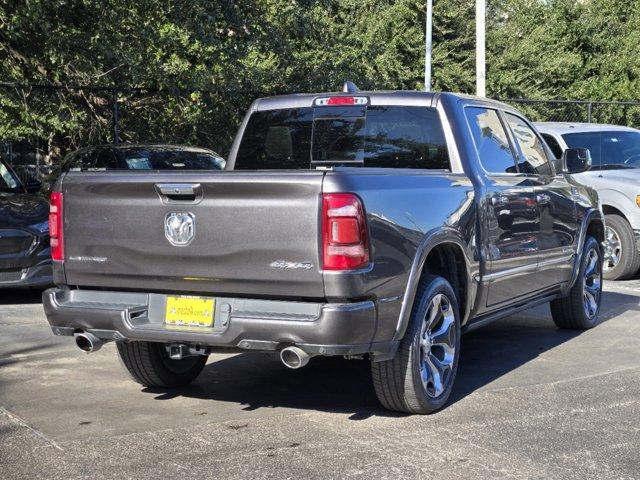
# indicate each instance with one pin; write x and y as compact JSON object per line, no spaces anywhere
{"x":190,"y":311}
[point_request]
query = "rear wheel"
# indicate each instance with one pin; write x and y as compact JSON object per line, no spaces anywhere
{"x":622,"y":258}
{"x":420,"y":377}
{"x":579,"y":310}
{"x":149,"y":365}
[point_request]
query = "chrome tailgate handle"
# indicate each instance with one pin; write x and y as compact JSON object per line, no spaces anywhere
{"x":179,"y":192}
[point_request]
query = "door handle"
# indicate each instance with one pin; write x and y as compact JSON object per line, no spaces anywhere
{"x":499,"y":201}
{"x":543,"y":199}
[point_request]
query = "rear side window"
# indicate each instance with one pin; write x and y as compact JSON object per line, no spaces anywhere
{"x":381,"y":136}
{"x":491,"y":140}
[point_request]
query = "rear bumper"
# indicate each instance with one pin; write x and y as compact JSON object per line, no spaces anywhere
{"x":240,"y":324}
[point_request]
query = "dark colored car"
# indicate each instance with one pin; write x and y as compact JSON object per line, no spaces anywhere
{"x":137,"y":157}
{"x":25,"y":258}
{"x":380,"y":225}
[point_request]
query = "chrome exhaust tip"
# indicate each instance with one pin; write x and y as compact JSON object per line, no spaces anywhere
{"x":88,"y":342}
{"x":294,"y":357}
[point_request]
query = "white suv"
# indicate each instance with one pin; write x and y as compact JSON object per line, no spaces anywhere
{"x":615,"y":174}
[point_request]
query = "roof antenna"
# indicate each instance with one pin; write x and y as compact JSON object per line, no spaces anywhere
{"x":350,"y":87}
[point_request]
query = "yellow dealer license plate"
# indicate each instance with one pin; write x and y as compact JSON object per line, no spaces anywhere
{"x":190,"y":311}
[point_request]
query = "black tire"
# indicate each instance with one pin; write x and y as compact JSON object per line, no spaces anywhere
{"x":575,"y":310}
{"x":628,"y":258}
{"x":149,"y":365}
{"x":398,"y":382}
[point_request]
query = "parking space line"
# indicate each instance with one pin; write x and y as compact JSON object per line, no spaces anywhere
{"x":19,"y":421}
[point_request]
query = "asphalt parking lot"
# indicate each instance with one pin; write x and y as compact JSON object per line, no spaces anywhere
{"x":530,"y":402}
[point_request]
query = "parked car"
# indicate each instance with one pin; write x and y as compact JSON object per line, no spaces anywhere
{"x":129,"y":156}
{"x":615,"y":174}
{"x":359,"y":224}
{"x":25,"y":259}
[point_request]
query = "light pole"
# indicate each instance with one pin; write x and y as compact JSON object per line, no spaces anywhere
{"x":428,"y":45}
{"x":481,"y":87}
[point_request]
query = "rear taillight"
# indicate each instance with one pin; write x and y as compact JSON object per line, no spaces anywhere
{"x":55,"y":226}
{"x":345,"y":244}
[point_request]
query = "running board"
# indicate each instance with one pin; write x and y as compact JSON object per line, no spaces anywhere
{"x":492,"y":317}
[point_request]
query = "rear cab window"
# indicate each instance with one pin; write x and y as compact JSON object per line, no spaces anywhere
{"x":391,"y":136}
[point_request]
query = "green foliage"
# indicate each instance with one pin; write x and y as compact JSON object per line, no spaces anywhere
{"x":222,"y":54}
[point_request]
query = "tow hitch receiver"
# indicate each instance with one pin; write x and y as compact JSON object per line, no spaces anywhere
{"x":177,"y":351}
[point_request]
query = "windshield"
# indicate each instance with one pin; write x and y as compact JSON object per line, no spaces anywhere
{"x":609,"y":149}
{"x":374,"y":136}
{"x":8,"y":181}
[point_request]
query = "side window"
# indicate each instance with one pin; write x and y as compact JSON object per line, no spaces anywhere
{"x":553,"y":144}
{"x":491,"y":140}
{"x":534,"y":158}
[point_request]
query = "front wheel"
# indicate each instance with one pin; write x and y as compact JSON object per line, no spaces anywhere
{"x":622,"y":258}
{"x":149,"y":364}
{"x":420,"y":377}
{"x":579,"y":310}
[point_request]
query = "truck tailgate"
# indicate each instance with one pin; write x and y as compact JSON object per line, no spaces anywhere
{"x":255,"y":233}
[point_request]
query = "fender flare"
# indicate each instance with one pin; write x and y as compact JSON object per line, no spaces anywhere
{"x":432,"y":239}
{"x":592,"y":215}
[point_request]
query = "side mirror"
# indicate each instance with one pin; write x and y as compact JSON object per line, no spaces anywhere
{"x":576,"y":160}
{"x":32,"y":185}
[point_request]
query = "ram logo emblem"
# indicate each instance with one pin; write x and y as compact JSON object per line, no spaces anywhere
{"x":180,"y":228}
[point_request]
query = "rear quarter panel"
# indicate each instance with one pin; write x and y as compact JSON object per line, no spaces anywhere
{"x":403,"y":207}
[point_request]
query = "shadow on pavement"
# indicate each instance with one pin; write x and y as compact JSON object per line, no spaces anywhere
{"x":335,"y":385}
{"x":20,"y":296}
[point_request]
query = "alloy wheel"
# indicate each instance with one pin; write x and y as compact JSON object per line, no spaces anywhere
{"x":612,"y":249}
{"x":438,"y":346}
{"x":592,"y":290}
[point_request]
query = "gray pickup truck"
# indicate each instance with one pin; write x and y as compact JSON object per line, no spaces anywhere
{"x":380,"y":225}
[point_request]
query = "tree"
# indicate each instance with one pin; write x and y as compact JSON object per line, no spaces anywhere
{"x":187,"y":70}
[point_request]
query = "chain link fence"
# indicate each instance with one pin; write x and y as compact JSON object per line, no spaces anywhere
{"x":582,"y":111}
{"x":39,"y":124}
